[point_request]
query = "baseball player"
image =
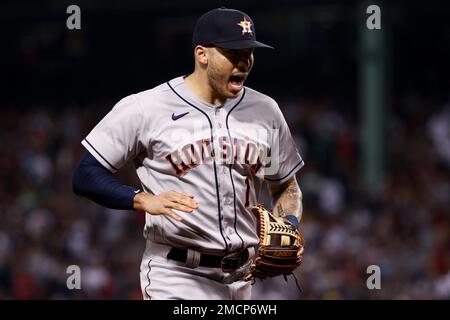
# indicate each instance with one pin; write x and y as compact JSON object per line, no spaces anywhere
{"x":203,"y":145}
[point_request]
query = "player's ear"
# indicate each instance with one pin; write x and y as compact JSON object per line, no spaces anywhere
{"x":201,"y":54}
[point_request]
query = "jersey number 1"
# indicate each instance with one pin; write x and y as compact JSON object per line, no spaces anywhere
{"x":247,"y":191}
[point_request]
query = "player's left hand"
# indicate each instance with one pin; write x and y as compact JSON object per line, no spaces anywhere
{"x":281,"y":246}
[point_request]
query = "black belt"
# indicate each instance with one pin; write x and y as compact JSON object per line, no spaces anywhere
{"x":228,"y":262}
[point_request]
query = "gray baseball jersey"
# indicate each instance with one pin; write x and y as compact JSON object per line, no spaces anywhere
{"x":221,"y":155}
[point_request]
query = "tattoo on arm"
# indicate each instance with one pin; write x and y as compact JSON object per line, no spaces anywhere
{"x":288,"y":200}
{"x":279,"y":210}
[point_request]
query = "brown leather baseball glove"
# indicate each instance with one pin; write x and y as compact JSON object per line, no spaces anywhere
{"x":280,"y":246}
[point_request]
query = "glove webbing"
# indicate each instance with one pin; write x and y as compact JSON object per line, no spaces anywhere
{"x":276,"y":227}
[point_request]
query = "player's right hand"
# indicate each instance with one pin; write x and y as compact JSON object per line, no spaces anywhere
{"x":163,"y":203}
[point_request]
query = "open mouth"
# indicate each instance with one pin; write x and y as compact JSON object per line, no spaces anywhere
{"x":237,"y":81}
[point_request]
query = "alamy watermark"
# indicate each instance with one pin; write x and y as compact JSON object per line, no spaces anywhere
{"x":374,"y":280}
{"x":74,"y":279}
{"x":74,"y":20}
{"x":258,"y":149}
{"x":373,"y":22}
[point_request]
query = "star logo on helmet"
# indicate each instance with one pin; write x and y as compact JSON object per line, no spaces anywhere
{"x":245,"y":25}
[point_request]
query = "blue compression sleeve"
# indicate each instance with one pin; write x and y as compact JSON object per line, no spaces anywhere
{"x":293,"y":219}
{"x":93,"y":181}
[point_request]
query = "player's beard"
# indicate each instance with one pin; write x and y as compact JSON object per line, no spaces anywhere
{"x":219,"y":83}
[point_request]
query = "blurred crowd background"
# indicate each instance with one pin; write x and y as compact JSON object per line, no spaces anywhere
{"x":57,"y":84}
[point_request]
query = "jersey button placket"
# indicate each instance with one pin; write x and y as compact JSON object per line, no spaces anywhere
{"x":216,"y":117}
{"x":229,"y":231}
